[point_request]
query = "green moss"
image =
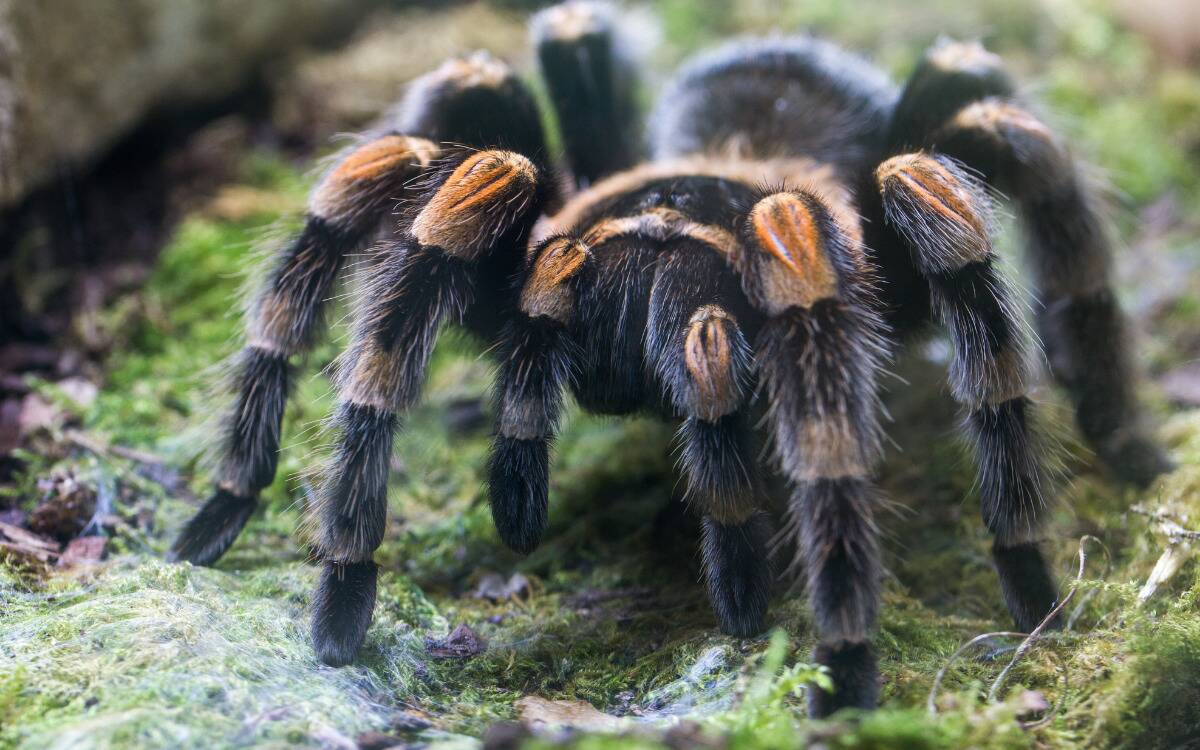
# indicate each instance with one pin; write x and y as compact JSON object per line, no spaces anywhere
{"x":146,"y":653}
{"x":1155,"y":705}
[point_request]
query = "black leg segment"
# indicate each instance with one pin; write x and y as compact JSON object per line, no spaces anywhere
{"x":1029,"y":590}
{"x":518,"y":479}
{"x":854,"y":671}
{"x":942,"y":215}
{"x":737,"y":572}
{"x":591,"y":85}
{"x":342,"y":607}
{"x":1070,"y":252}
{"x":213,"y":530}
{"x":537,"y":359}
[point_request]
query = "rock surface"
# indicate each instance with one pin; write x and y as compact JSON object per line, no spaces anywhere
{"x":346,"y":89}
{"x":76,"y":75}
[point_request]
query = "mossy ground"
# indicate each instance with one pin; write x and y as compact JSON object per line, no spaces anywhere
{"x":138,"y":652}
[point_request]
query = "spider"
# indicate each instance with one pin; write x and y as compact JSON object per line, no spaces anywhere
{"x":797,"y":217}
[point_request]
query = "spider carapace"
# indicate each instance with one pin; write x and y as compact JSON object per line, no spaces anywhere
{"x":790,"y":218}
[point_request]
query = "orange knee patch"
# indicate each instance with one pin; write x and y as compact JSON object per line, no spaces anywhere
{"x":372,"y":171}
{"x":384,"y":155}
{"x":466,"y":205}
{"x":966,"y":56}
{"x":1002,"y":119}
{"x":570,"y":21}
{"x":708,"y":355}
{"x":479,"y":69}
{"x":925,"y":182}
{"x":545,"y":293}
{"x":785,"y":228}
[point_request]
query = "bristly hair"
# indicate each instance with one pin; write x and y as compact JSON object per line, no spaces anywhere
{"x":250,"y":429}
{"x":537,"y":361}
{"x":412,"y":293}
{"x":350,"y":512}
{"x":718,"y":460}
{"x":839,"y":551}
{"x":1016,"y":468}
{"x":819,"y":370}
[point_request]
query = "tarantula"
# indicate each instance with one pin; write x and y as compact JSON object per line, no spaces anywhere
{"x":797,"y":216}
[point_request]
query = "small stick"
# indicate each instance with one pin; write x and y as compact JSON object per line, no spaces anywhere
{"x":1033,"y":636}
{"x":931,"y":702}
{"x":92,"y":445}
{"x":1029,"y":640}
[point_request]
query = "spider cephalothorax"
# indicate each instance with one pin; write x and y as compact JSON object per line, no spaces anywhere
{"x":798,"y":216}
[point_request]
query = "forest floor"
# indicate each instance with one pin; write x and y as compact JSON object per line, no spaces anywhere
{"x":605,"y":628}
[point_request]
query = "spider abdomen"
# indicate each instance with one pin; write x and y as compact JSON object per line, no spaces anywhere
{"x":775,"y":98}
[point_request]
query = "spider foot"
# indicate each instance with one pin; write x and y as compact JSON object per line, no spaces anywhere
{"x":342,"y":607}
{"x":738,"y":574}
{"x":518,"y":481}
{"x":213,"y":530}
{"x":1136,"y":460}
{"x":1029,"y":590}
{"x":855,"y":678}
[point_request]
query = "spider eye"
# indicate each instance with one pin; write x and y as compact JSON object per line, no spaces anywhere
{"x":652,"y":199}
{"x":679,"y":200}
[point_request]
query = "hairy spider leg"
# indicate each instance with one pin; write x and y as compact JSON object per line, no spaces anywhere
{"x":1070,"y":251}
{"x":483,"y":208}
{"x":537,"y":359}
{"x":699,"y":353}
{"x":476,"y":101}
{"x":943,"y":216}
{"x":819,"y":353}
{"x":592,"y":84}
{"x":285,"y":318}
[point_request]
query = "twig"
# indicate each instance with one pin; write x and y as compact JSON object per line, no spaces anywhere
{"x":1033,"y":636}
{"x":1062,"y":697}
{"x":1078,"y":611}
{"x":92,"y":445}
{"x":1023,"y":648}
{"x":1178,"y":549}
{"x":931,"y":702}
{"x":1168,"y":524}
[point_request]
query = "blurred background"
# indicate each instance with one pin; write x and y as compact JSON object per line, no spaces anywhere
{"x":149,"y":149}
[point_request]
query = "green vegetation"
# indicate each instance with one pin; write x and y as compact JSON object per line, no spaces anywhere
{"x":135,"y":651}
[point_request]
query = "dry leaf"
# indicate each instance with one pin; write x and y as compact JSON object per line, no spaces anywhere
{"x":80,"y":390}
{"x":83,"y":550}
{"x":36,"y":414}
{"x":18,"y":541}
{"x":1169,"y":563}
{"x":494,"y":588}
{"x":1182,"y":384}
{"x":462,"y":643}
{"x":378,"y":741}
